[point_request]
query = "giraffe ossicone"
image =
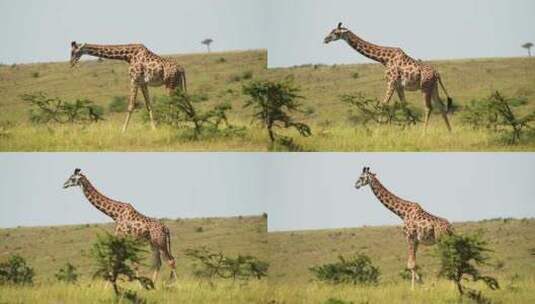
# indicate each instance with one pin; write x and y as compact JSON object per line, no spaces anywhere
{"x":129,"y":221}
{"x":419,"y":226}
{"x":403,"y":73}
{"x":145,"y":69}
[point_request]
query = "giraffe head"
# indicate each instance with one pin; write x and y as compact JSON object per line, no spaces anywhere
{"x":74,"y":180}
{"x":336,"y":34}
{"x":365,"y":178}
{"x":76,"y":52}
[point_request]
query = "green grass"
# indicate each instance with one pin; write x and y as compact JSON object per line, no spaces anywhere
{"x":185,"y":291}
{"x":321,"y":86}
{"x":290,"y":255}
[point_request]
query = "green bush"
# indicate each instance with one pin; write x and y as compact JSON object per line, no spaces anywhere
{"x":370,"y":110}
{"x":180,"y":111}
{"x":242,"y":76}
{"x":16,"y":271}
{"x":496,"y":113}
{"x":357,"y":269}
{"x":67,"y":274}
{"x":45,"y":109}
{"x":336,"y":301}
{"x":459,"y":255}
{"x":118,"y":104}
{"x":273,"y":102}
{"x":216,"y":265}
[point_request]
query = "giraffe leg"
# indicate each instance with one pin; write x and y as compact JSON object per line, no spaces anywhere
{"x":131,"y":105}
{"x":401,"y":95}
{"x":156,"y":262}
{"x":145,"y":91}
{"x":172,"y":263}
{"x":411,"y":262}
{"x":428,"y":108}
{"x":389,"y":92}
{"x":444,"y":113}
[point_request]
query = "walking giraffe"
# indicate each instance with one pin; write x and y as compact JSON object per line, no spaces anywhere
{"x":129,"y":221}
{"x":419,"y":226}
{"x":402,"y":72}
{"x":146,"y":69}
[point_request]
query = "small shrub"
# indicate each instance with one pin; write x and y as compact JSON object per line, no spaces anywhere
{"x":45,"y":109}
{"x":355,"y":75}
{"x":179,"y":110}
{"x":118,"y":104}
{"x":459,"y":256}
{"x":273,"y":102}
{"x":242,"y":76}
{"x":354,"y":270}
{"x":496,"y":113}
{"x":199,"y":229}
{"x":67,"y":274}
{"x":216,"y":265}
{"x":247,"y":75}
{"x":221,"y":60}
{"x":35,"y":74}
{"x":16,"y":271}
{"x":336,"y":301}
{"x":370,"y":110}
{"x":406,"y":273}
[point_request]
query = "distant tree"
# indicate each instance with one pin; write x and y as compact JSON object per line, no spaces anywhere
{"x":16,"y":271}
{"x":528,"y":46}
{"x":207,"y":42}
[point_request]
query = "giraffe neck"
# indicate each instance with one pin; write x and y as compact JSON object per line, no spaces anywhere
{"x":119,"y":52}
{"x":389,"y":200}
{"x":370,"y":50}
{"x":106,"y":205}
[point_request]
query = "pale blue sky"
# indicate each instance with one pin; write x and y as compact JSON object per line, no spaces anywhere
{"x":298,"y":191}
{"x":426,"y":29}
{"x":35,"y":30}
{"x":292,"y":31}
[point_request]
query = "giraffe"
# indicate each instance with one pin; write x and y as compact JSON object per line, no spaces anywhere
{"x":146,"y":69}
{"x":129,"y":221}
{"x":402,"y":72}
{"x":419,"y":226}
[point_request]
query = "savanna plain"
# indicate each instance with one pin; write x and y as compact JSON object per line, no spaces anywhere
{"x":290,"y":255}
{"x":219,"y":78}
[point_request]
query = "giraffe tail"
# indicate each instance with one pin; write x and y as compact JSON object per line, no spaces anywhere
{"x":449,"y":101}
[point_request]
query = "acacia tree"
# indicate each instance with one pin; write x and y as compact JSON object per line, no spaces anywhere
{"x":207,"y":42}
{"x":115,"y":259}
{"x":459,"y":255}
{"x":273,"y":102}
{"x":528,"y":46}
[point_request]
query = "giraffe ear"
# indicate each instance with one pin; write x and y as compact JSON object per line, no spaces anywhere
{"x":339,"y":25}
{"x":77,"y":170}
